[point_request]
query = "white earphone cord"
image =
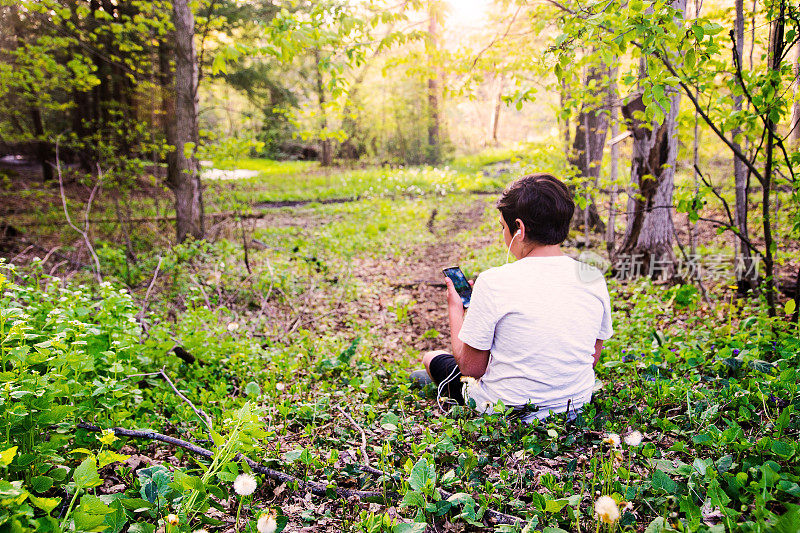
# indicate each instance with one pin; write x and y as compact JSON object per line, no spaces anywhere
{"x":441,"y":387}
{"x":508,"y":253}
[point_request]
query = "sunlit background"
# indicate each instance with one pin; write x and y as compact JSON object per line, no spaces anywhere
{"x":467,"y":13}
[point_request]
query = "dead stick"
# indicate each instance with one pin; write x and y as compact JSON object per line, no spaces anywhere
{"x":363,"y":434}
{"x":199,"y":412}
{"x":149,"y":288}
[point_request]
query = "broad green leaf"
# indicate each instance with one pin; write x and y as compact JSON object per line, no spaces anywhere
{"x":7,"y":456}
{"x":85,"y":474}
{"x":421,"y":473}
{"x":782,"y":448}
{"x":116,"y":519}
{"x":107,"y":457}
{"x":554,"y":506}
{"x":413,"y":499}
{"x":660,"y":480}
{"x":41,"y":483}
{"x":45,"y":504}
{"x":252,"y":389}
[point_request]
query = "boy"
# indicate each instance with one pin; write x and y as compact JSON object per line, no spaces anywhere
{"x":534,"y":328}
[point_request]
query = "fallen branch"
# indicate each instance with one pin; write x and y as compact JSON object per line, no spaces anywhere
{"x":316,"y":488}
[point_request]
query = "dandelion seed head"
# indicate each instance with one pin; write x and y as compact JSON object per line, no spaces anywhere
{"x":266,"y":523}
{"x":233,"y":326}
{"x":606,"y":509}
{"x":245,"y":484}
{"x":612,"y":439}
{"x":634,"y":438}
{"x":279,"y":386}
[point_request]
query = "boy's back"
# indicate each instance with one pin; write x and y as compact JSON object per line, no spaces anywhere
{"x":540,"y":320}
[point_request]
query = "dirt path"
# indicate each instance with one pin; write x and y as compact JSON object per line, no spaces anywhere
{"x":408,"y":305}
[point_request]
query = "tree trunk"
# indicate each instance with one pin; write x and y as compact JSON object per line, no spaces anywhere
{"x":614,"y":167}
{"x":746,"y":271}
{"x":775,"y":53}
{"x":794,"y":124}
{"x":183,"y":175}
{"x":650,"y":232}
{"x":589,"y":142}
{"x":326,"y":151}
{"x":434,"y":85}
{"x":497,"y":104}
{"x":564,"y":95}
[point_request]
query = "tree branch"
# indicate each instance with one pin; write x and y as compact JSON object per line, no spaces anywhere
{"x":316,"y":488}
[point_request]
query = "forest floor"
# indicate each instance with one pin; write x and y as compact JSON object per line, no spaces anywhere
{"x":313,"y":313}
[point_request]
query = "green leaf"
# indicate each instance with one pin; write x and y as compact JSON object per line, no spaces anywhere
{"x":660,"y":480}
{"x":790,"y":306}
{"x":413,"y":499}
{"x":106,"y":457}
{"x":417,"y":527}
{"x":554,"y":506}
{"x":136,"y":504}
{"x":117,"y":519}
{"x":691,"y":58}
{"x":782,"y":448}
{"x":421,"y":473}
{"x":45,"y":504}
{"x":184,"y":481}
{"x":252,"y":389}
{"x":41,"y":483}
{"x":91,"y":513}
{"x":7,"y":456}
{"x":85,"y":474}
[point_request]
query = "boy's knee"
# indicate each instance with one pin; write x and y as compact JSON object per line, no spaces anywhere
{"x":427,"y":357}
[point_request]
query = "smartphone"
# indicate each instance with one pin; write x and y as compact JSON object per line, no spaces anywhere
{"x":463,"y":288}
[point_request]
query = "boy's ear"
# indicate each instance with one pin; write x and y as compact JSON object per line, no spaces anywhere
{"x":520,"y":228}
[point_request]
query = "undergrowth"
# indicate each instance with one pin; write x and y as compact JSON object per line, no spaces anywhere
{"x":289,"y":357}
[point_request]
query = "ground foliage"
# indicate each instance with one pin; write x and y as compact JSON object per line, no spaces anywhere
{"x":300,"y":361}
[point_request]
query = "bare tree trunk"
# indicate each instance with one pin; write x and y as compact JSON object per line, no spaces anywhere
{"x":326,"y":153}
{"x":614,"y":166}
{"x":589,"y":142}
{"x":746,"y":273}
{"x":794,"y":124}
{"x":434,"y":85}
{"x":564,"y":96}
{"x":650,"y":231}
{"x":494,"y":120}
{"x":775,"y":54}
{"x":183,"y":174}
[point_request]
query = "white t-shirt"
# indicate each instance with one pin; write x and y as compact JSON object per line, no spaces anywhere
{"x":540,"y":318}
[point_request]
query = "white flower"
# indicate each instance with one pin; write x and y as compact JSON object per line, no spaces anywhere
{"x":612,"y":439}
{"x":245,"y":485}
{"x":233,"y":326}
{"x":266,"y":523}
{"x":200,"y":531}
{"x":172,"y":519}
{"x":279,"y":386}
{"x":634,"y":438}
{"x":606,"y":509}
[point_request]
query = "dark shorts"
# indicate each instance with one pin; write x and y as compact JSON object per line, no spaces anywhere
{"x":445,"y":373}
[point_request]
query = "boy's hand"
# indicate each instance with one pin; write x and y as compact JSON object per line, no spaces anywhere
{"x":454,"y":301}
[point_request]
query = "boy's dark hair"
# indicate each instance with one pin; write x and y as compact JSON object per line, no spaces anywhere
{"x":543,"y":203}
